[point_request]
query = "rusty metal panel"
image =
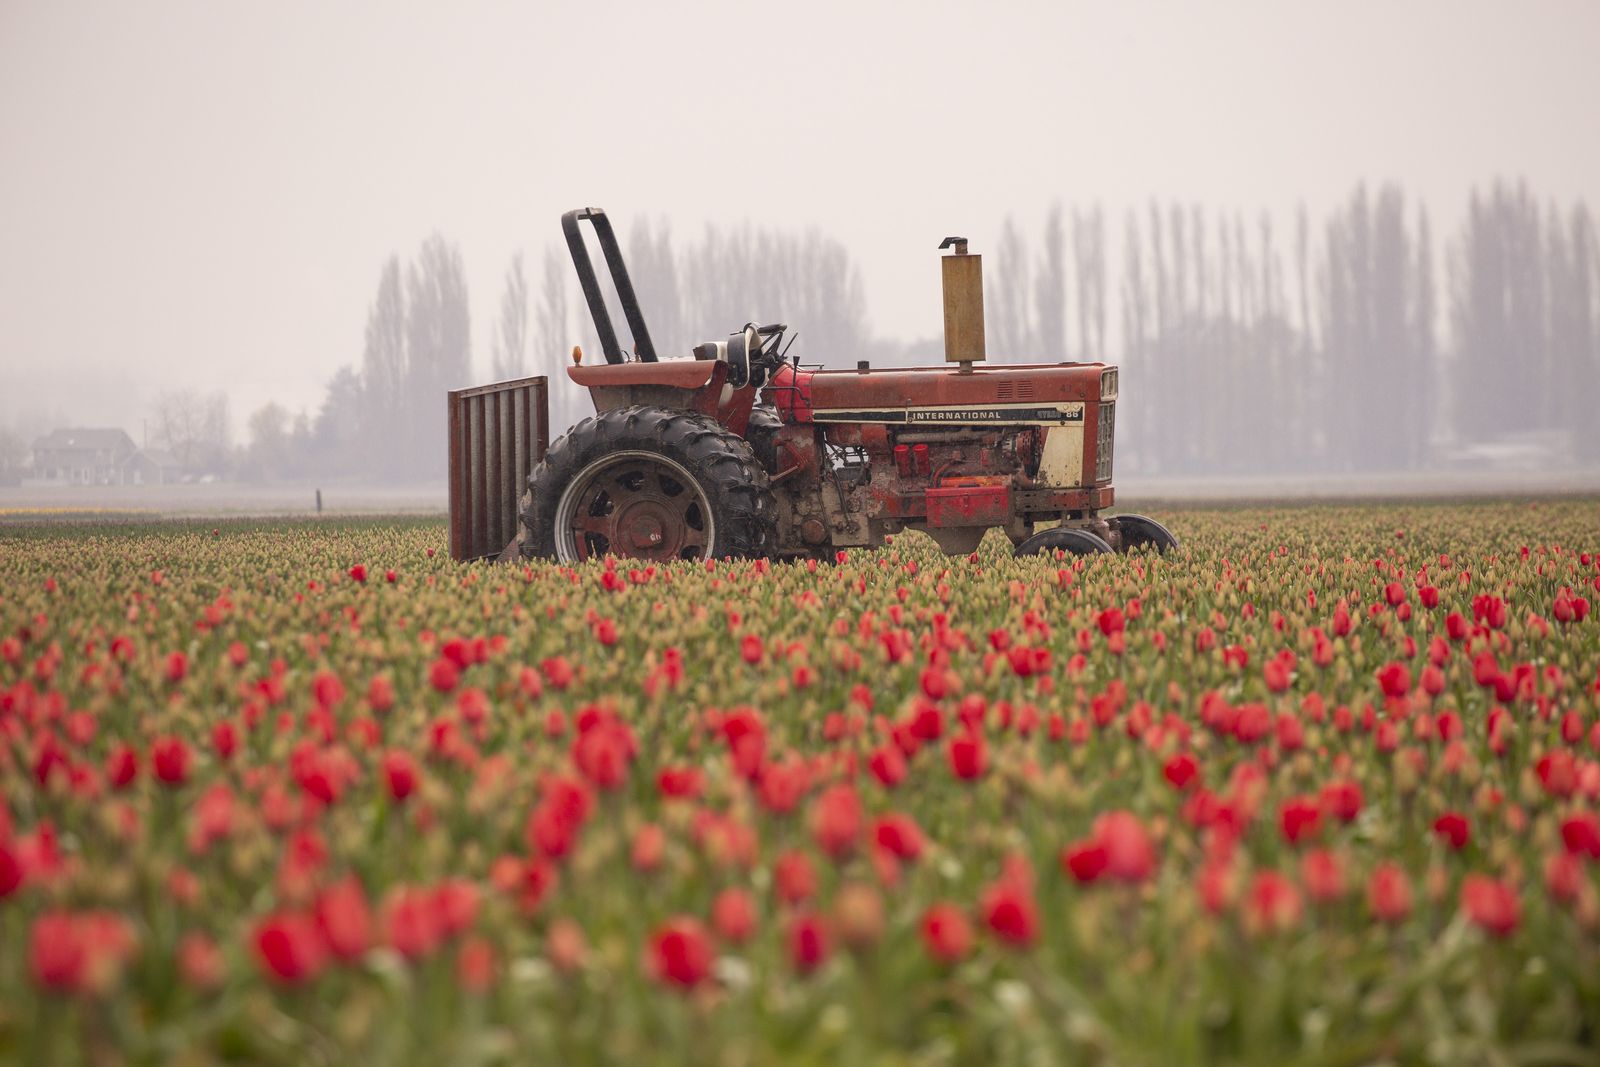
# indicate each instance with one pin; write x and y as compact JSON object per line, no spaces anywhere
{"x":496,"y":434}
{"x":969,"y":506}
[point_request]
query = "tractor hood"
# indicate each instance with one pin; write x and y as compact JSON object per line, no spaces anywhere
{"x":1028,"y":394}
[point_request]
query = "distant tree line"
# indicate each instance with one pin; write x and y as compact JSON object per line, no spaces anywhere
{"x":1326,"y":352}
{"x":1335,"y":347}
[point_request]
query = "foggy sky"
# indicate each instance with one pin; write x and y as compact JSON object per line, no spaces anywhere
{"x":202,"y":193}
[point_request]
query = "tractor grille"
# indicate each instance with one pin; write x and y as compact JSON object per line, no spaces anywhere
{"x":1102,"y":442}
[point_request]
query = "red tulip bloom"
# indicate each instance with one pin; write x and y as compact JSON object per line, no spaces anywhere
{"x":1182,"y":771}
{"x":680,"y":953}
{"x":1130,"y":854}
{"x":807,"y":939}
{"x":344,"y":919}
{"x":888,"y":766}
{"x":358,"y":573}
{"x":1010,"y":912}
{"x":900,"y":836}
{"x":793,"y":877}
{"x":968,"y":755}
{"x":1342,"y":800}
{"x":680,"y":783}
{"x":169,"y":756}
{"x":946,"y":933}
{"x":1389,"y":893}
{"x":1300,"y":819}
{"x":733,"y":915}
{"x":1580,"y":833}
{"x":57,"y":958}
{"x":1452,"y":829}
{"x":177,"y":667}
{"x":288,"y":947}
{"x":444,"y":675}
{"x":1085,"y":860}
{"x":122,"y":766}
{"x":411,"y":922}
{"x":1394,"y":679}
{"x":1322,"y":874}
{"x":1271,"y":903}
{"x":400,"y":774}
{"x":1490,"y":904}
{"x":836,"y":819}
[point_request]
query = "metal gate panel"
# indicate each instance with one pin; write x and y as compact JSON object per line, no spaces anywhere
{"x":497,"y":433}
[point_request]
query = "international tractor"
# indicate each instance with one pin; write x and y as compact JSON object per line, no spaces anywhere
{"x":737,"y":450}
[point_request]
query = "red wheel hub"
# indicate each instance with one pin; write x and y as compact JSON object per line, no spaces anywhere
{"x":640,"y":506}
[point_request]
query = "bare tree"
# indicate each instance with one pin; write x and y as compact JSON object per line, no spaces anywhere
{"x":510,"y":340}
{"x":194,"y":427}
{"x":438,"y":353}
{"x":1050,"y":294}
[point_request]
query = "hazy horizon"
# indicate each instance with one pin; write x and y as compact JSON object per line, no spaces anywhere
{"x":203,"y":196}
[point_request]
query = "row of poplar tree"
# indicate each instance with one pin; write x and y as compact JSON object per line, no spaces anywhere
{"x":1356,"y":343}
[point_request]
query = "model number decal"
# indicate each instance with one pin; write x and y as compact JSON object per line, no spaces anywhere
{"x":1053,"y":414}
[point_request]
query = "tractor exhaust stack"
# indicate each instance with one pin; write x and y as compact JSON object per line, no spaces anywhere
{"x":963,"y":304}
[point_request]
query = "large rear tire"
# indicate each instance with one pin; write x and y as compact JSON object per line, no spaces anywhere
{"x":762,"y":433}
{"x":648,"y":483}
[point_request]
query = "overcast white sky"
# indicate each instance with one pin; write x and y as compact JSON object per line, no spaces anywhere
{"x":202,"y":193}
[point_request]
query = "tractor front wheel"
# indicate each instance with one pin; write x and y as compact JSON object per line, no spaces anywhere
{"x":1070,"y":539}
{"x":1139,"y":531}
{"x":647,"y":483}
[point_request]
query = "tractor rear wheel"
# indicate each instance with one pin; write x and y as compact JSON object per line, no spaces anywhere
{"x":1070,"y":539}
{"x":1137,"y":531}
{"x":647,"y":483}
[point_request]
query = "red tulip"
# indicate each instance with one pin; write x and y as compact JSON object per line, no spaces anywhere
{"x":400,"y":774}
{"x":344,"y":919}
{"x":1490,"y":904}
{"x":1389,"y":893}
{"x":1182,"y":771}
{"x":1010,"y":913}
{"x":836,"y":819}
{"x":1322,"y":874}
{"x":888,"y":766}
{"x":169,"y":756}
{"x":1452,"y":829}
{"x":680,"y":953}
{"x":1580,"y":833}
{"x":733,"y":915}
{"x":1130,"y":854}
{"x":793,"y":877}
{"x":946,"y":933}
{"x":288,"y":947}
{"x":1300,"y":819}
{"x":807,"y":939}
{"x":968,"y":755}
{"x":1085,"y":860}
{"x":1271,"y":903}
{"x":899,"y":835}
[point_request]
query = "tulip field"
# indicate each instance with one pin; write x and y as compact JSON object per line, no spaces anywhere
{"x":1322,"y":787}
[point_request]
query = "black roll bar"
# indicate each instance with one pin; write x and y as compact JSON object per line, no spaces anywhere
{"x":591,"y":284}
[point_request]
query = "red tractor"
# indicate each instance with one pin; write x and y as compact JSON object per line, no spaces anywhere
{"x":739,"y":451}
